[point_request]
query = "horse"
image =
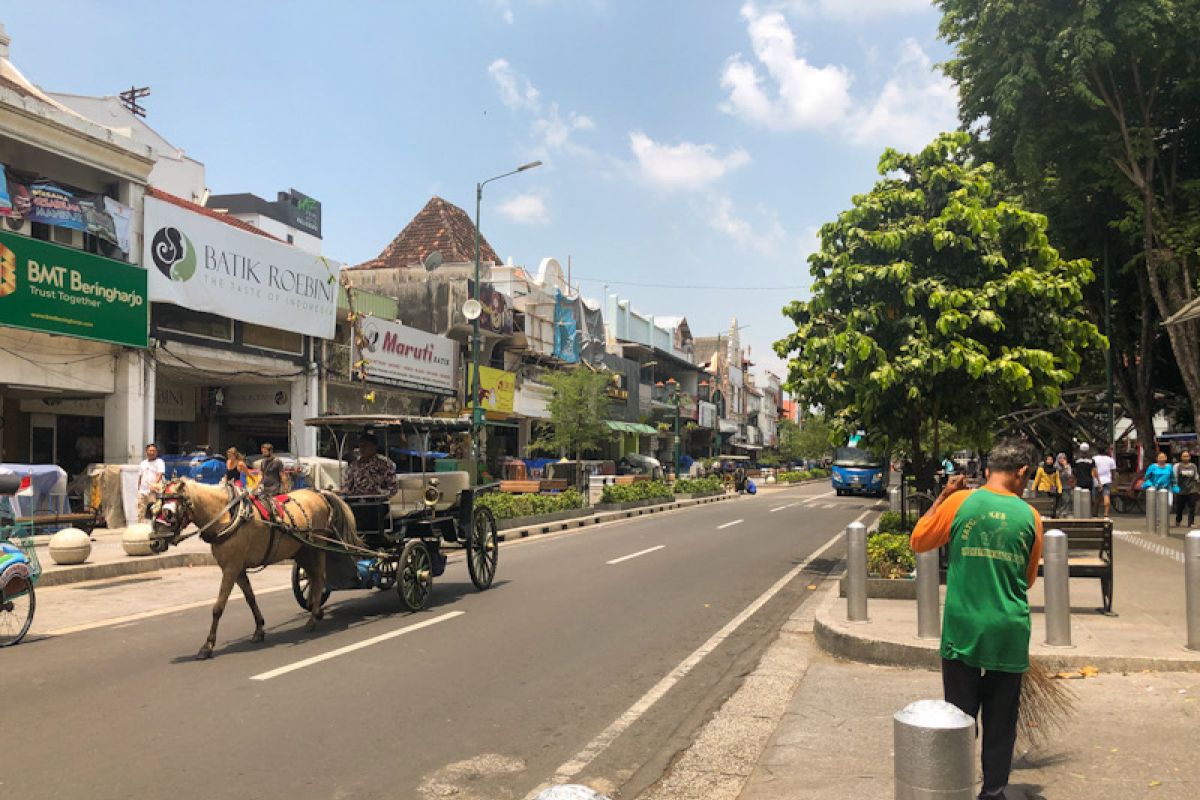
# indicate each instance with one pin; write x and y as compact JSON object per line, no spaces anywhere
{"x":241,"y":538}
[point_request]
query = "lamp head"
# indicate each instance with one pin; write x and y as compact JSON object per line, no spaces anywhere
{"x":530,"y":165}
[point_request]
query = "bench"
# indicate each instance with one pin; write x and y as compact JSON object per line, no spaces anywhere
{"x":1044,"y":506}
{"x":521,"y":487}
{"x":1089,"y":552}
{"x":84,"y":521}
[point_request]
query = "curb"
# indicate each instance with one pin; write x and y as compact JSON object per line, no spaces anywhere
{"x":131,"y":566}
{"x":834,"y":638}
{"x":538,"y":528}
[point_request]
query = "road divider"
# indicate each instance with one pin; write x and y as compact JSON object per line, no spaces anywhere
{"x":350,"y":648}
{"x":635,"y":555}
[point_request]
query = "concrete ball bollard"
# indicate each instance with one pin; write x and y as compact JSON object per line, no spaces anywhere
{"x":70,"y":546}
{"x":136,"y":540}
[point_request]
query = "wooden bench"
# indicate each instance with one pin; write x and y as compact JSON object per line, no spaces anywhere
{"x":83,"y":521}
{"x":521,"y":487}
{"x":1042,"y":505}
{"x":553,"y":485}
{"x":1089,"y":552}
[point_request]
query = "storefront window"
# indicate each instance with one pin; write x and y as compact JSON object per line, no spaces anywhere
{"x":272,"y":339}
{"x":194,"y":323}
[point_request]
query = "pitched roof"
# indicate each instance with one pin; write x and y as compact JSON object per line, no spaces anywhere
{"x":441,"y":226}
{"x":167,"y":197}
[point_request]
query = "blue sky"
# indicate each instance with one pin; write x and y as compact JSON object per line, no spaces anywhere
{"x":693,"y":142}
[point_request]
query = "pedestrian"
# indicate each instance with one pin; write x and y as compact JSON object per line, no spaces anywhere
{"x":150,"y":474}
{"x":1106,"y":468}
{"x":995,"y":544}
{"x":1066,"y":477}
{"x":1084,"y":469}
{"x":270,"y":470}
{"x":1047,"y":482}
{"x":235,"y":468}
{"x":1187,"y":488}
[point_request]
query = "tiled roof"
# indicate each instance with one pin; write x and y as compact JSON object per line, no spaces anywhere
{"x":441,"y":226}
{"x":167,"y":197}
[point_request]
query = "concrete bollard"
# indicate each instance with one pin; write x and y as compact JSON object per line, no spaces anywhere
{"x":929,"y":619}
{"x":934,"y":746}
{"x":856,"y":572}
{"x":1085,"y":503}
{"x":1162,"y":513}
{"x":1191,"y":565}
{"x":1151,"y":495}
{"x":1057,"y":590}
{"x":894,"y":499}
{"x":1076,"y":504}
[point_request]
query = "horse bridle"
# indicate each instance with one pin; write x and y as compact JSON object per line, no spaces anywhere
{"x":173,"y":511}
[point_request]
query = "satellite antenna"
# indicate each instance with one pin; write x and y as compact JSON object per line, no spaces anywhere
{"x":472,"y":309}
{"x":432,"y":261}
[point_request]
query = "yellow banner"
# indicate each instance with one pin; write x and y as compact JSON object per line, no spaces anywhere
{"x":497,"y":389}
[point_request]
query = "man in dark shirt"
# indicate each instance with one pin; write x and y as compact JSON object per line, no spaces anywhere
{"x":1084,"y":469}
{"x":271,"y":470}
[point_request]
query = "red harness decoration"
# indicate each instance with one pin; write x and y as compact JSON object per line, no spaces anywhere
{"x":266,"y":513}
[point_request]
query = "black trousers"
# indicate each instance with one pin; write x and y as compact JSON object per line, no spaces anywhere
{"x":998,"y":695}
{"x":1187,"y":501}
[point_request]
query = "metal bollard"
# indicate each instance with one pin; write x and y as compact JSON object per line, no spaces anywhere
{"x":929,"y":619}
{"x":1191,"y":567}
{"x":894,"y":499}
{"x":1076,"y":503}
{"x":1085,"y":503}
{"x":856,"y":572}
{"x":1151,"y":495}
{"x":1057,"y":589}
{"x":934,"y":746}
{"x":1163,"y":513}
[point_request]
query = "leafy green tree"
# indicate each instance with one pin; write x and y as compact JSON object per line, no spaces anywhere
{"x":1090,"y":106}
{"x":812,"y":440}
{"x":578,"y":411}
{"x":935,"y":300}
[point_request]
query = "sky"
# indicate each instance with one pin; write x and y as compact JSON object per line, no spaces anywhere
{"x":687,"y":143}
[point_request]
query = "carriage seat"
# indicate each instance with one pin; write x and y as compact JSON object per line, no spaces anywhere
{"x":410,"y":496}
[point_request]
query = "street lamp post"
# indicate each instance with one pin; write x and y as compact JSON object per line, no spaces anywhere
{"x":476,"y":406}
{"x":674,"y":396}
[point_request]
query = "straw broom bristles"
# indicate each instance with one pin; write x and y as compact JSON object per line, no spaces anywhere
{"x":1047,"y":703}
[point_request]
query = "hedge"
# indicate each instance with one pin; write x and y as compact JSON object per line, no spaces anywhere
{"x":699,"y":485}
{"x":890,"y":556}
{"x":636,"y":492}
{"x":512,"y":506}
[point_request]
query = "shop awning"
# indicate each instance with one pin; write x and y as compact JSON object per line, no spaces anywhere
{"x":631,"y":427}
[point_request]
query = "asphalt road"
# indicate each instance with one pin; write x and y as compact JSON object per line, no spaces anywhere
{"x":593,"y":657}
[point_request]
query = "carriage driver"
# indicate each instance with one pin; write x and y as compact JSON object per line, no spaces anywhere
{"x":372,"y":473}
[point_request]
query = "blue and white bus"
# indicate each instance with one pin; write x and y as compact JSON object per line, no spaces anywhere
{"x":859,"y":471}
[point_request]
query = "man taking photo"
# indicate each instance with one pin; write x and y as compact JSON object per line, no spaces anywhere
{"x":995,"y":541}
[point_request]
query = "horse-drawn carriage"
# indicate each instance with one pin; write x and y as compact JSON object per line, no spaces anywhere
{"x":406,"y":530}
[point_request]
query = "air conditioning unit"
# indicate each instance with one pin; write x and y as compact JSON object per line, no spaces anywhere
{"x":67,"y":237}
{"x":17,"y":225}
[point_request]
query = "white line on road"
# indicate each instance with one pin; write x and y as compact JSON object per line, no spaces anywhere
{"x":635,"y":555}
{"x":350,"y":648}
{"x":730,"y":524}
{"x":781,"y":508}
{"x":580,"y":761}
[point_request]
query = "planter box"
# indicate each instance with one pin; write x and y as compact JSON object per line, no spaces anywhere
{"x":886,"y":589}
{"x":520,"y":522}
{"x":698,"y":495}
{"x":602,"y":507}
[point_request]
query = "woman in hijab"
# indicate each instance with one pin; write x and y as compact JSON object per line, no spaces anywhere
{"x":1066,"y":475}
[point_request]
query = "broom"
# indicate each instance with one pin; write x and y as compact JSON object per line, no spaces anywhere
{"x":1047,"y":703}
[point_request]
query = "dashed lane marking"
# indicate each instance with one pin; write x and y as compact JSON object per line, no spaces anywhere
{"x":1153,"y":547}
{"x":730,"y":524}
{"x":350,"y":648}
{"x":635,"y":555}
{"x":781,"y":508}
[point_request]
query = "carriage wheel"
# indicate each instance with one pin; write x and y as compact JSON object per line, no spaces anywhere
{"x":387,"y":573}
{"x":483,"y":548}
{"x":16,"y":615}
{"x":414,"y":578}
{"x":300,"y":584}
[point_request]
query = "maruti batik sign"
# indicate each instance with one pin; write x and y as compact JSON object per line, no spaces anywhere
{"x":401,"y":356}
{"x":53,"y":289}
{"x":207,"y":265}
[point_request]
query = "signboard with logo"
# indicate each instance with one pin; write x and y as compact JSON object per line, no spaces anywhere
{"x":401,"y":356}
{"x":53,"y":289}
{"x":257,"y":399}
{"x":497,"y":388}
{"x":302,"y":212}
{"x":171,"y":404}
{"x":207,"y":265}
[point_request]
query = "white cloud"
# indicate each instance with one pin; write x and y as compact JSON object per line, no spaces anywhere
{"x":683,"y":165}
{"x":915,"y":104}
{"x":516,"y":91}
{"x":854,"y":9}
{"x":798,"y":95}
{"x":766,"y":238}
{"x":554,"y":131}
{"x":528,"y":208}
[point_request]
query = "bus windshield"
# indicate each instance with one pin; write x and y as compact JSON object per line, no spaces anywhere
{"x":855,"y":457}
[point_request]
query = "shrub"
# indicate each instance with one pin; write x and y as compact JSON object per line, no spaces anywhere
{"x":890,"y":522}
{"x":636,"y":492}
{"x":712,"y":483}
{"x":889,"y":555}
{"x":511,"y":506}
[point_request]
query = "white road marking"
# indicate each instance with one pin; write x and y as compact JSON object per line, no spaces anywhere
{"x":350,"y":648}
{"x":580,"y":761}
{"x":158,"y":612}
{"x":730,"y":524}
{"x":781,"y":508}
{"x":1154,"y":547}
{"x":635,"y":555}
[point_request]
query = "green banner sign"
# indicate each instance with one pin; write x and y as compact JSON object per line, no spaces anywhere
{"x":45,"y":287}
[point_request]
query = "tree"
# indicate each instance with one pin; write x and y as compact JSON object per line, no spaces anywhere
{"x":1094,"y":103}
{"x":578,"y":411}
{"x":935,"y":300}
{"x":812,"y":440}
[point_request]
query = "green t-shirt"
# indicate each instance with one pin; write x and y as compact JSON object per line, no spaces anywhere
{"x":986,"y":620}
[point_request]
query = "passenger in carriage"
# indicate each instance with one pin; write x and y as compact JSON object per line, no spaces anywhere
{"x":372,"y":473}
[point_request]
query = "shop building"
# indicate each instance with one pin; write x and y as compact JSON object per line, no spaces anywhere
{"x":292,"y":217}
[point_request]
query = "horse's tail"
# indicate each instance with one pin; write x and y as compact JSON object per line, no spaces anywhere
{"x":341,"y":519}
